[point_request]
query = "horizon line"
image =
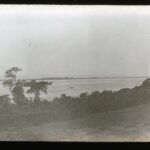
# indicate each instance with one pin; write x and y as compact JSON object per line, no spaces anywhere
{"x":66,"y":78}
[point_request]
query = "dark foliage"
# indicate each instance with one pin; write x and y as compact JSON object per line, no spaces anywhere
{"x":25,"y":112}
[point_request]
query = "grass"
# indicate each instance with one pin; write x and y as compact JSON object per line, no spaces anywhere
{"x":129,"y":122}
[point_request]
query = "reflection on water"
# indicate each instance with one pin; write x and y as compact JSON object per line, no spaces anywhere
{"x":73,"y":87}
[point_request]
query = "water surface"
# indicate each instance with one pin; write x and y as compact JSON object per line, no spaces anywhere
{"x":73,"y":87}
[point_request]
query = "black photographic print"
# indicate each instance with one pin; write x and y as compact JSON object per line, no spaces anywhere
{"x":74,"y":73}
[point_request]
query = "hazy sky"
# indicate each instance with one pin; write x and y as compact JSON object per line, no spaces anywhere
{"x":75,"y":41}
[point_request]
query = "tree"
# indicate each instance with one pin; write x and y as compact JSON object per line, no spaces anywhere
{"x":95,"y":94}
{"x":15,"y":86}
{"x":11,"y":77}
{"x":36,"y":88}
{"x":63,"y":96}
{"x":18,"y":94}
{"x":12,"y":73}
{"x":146,"y":83}
{"x":84,"y":95}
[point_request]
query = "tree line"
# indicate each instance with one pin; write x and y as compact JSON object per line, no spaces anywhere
{"x":16,"y":88}
{"x":36,"y":110}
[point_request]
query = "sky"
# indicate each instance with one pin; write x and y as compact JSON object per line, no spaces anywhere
{"x":75,"y":41}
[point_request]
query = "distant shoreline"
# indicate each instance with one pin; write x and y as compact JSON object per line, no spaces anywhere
{"x":80,"y":78}
{"x":86,"y":78}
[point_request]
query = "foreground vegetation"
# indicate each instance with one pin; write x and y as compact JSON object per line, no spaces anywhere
{"x":26,"y":112}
